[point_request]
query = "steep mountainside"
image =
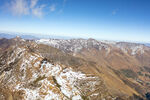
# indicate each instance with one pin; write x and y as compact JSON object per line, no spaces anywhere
{"x":130,"y":59}
{"x":33,"y":71}
{"x":25,"y":74}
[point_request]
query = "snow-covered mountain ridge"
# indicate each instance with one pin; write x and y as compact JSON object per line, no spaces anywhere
{"x":76,"y":45}
{"x":27,"y":75}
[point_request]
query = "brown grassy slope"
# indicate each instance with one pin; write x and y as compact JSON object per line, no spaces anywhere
{"x":115,"y":60}
{"x":113,"y":82}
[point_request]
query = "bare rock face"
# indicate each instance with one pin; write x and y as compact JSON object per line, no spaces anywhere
{"x":32,"y":71}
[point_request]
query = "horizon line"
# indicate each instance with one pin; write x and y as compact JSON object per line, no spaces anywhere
{"x":67,"y":37}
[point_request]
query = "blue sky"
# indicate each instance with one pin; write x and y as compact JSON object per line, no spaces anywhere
{"x":126,"y":20}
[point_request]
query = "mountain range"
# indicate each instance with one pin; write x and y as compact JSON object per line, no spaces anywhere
{"x":76,"y":69}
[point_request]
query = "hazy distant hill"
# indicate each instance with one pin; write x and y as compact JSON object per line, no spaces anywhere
{"x":26,"y":36}
{"x":147,"y":44}
{"x":13,"y":35}
{"x":8,"y":36}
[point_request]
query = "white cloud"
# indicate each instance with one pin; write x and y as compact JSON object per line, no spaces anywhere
{"x":33,"y":3}
{"x":61,"y":10}
{"x":52,"y":7}
{"x":22,"y":7}
{"x":31,"y":7}
{"x":19,"y":7}
{"x":38,"y":12}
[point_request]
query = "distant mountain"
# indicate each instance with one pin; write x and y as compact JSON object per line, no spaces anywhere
{"x":147,"y":44}
{"x":77,"y":45}
{"x":27,"y":36}
{"x":13,"y":35}
{"x":8,"y":36}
